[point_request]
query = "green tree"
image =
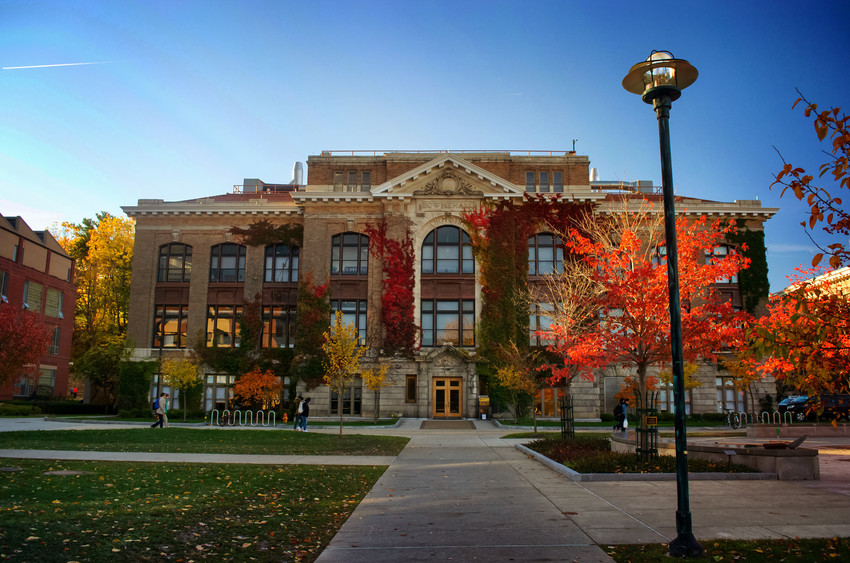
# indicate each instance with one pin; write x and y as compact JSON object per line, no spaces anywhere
{"x":182,"y":374}
{"x":342,"y":358}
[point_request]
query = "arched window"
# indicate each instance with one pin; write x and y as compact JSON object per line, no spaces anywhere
{"x":447,"y":250}
{"x":281,"y":263}
{"x":349,"y":254}
{"x":175,"y":263}
{"x":227,"y":263}
{"x":545,"y":254}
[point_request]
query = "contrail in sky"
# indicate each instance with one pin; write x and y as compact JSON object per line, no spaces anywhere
{"x":47,"y":66}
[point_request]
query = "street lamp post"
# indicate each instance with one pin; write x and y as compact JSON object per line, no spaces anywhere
{"x":659,"y":80}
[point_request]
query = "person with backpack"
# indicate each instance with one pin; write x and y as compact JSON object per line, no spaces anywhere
{"x":299,"y":405}
{"x":159,"y":411}
{"x":305,"y":412}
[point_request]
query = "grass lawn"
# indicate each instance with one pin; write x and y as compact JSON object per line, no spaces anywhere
{"x":115,"y":511}
{"x":802,"y":550}
{"x":205,"y":440}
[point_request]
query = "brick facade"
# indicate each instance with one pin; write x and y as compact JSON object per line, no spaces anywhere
{"x":415,"y":193}
{"x":35,"y":258}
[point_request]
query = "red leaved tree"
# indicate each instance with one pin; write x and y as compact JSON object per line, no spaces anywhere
{"x":624,"y":258}
{"x":804,"y":340}
{"x":23,"y":341}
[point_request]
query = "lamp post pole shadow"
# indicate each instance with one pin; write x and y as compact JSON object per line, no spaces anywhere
{"x":659,"y":80}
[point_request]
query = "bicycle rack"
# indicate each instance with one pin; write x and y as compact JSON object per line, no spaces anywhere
{"x":243,"y":418}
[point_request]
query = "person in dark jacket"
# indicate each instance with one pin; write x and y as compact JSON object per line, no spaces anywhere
{"x":305,"y":412}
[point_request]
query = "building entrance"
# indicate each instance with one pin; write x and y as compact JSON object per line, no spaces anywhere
{"x":446,"y":397}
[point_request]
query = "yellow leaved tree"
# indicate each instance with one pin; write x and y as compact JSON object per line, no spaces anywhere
{"x":375,"y":379}
{"x":182,"y":374}
{"x":342,"y":358}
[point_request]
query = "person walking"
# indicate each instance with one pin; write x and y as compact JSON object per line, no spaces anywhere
{"x":299,"y":405}
{"x":165,"y":410}
{"x":620,"y":414}
{"x":159,"y":411}
{"x":305,"y":412}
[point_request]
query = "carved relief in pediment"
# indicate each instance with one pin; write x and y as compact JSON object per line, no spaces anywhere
{"x":448,"y":183}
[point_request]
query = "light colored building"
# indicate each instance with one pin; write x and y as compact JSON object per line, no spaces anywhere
{"x":192,"y":276}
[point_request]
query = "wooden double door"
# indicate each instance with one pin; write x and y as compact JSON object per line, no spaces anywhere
{"x":447,"y":397}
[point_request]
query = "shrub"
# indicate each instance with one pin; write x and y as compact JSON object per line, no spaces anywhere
{"x":606,"y":417}
{"x":9,"y":409}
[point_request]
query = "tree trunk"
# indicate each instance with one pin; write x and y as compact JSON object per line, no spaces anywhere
{"x":377,"y":404}
{"x":339,"y":404}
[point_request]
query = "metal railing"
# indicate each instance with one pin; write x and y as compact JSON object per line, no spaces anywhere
{"x":361,"y":152}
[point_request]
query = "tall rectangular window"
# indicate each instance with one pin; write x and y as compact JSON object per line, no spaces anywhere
{"x":352,"y":399}
{"x":338,"y":180}
{"x":448,"y":321}
{"x":169,"y":326}
{"x":53,"y":303}
{"x":4,"y":286}
{"x":33,"y":293}
{"x":53,"y":348}
{"x":365,"y":181}
{"x":540,"y":319}
{"x":353,"y":312}
{"x":529,"y":182}
{"x":352,"y":180}
{"x":557,"y":182}
{"x":223,"y":325}
{"x":278,"y":326}
{"x":544,"y":182}
{"x":410,"y":389}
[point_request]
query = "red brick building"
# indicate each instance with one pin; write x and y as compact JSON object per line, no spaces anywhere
{"x":36,"y":274}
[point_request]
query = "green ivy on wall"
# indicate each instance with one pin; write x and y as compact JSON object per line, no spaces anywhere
{"x":753,"y":282}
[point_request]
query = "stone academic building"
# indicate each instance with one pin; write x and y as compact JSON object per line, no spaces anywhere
{"x":192,"y":276}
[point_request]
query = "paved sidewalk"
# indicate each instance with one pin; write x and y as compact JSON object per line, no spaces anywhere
{"x":464,"y":496}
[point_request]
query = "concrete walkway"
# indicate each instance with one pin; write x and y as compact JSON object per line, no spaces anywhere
{"x":460,"y":495}
{"x":470,"y":495}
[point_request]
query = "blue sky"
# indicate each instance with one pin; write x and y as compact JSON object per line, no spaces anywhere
{"x":192,"y":97}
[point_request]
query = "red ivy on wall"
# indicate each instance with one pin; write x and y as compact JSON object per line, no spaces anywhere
{"x":397,"y":304}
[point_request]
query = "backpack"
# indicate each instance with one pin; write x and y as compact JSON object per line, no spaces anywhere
{"x":156,"y":405}
{"x":618,"y":410}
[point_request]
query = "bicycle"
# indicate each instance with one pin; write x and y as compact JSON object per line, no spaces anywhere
{"x":224,"y":420}
{"x":733,"y":419}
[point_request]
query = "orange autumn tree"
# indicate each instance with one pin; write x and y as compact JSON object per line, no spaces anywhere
{"x":804,"y":340}
{"x":624,"y":257}
{"x":258,"y":389}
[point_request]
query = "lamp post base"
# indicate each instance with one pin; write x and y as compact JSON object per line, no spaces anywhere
{"x":686,"y":545}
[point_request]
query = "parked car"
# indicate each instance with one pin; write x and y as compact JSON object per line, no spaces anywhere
{"x":802,"y":407}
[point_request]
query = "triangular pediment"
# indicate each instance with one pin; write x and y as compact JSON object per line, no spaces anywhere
{"x":445,"y":176}
{"x":447,"y":356}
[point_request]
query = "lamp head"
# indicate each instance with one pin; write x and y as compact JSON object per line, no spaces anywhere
{"x":660,"y":74}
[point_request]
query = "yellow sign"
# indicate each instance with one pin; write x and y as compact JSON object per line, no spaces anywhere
{"x":483,"y":400}
{"x":651,"y":421}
